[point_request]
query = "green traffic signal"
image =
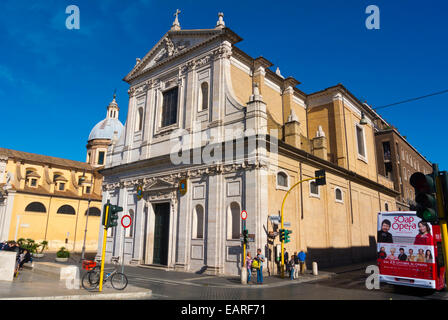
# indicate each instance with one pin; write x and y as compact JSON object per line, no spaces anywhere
{"x":106,"y":208}
{"x":245,"y":236}
{"x":113,"y":212}
{"x":321,"y":177}
{"x":282,"y":234}
{"x":425,"y":198}
{"x":287,"y":237}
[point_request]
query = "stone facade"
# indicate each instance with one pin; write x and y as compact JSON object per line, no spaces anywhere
{"x":222,"y":91}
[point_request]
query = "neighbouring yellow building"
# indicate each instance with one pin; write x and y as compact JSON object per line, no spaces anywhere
{"x":47,"y":198}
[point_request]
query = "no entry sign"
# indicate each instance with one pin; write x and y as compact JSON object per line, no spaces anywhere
{"x":244,"y":214}
{"x":126,"y":221}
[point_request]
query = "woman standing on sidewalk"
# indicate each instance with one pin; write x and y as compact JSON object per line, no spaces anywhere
{"x":249,"y":266}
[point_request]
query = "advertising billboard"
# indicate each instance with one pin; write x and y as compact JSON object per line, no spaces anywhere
{"x":405,"y":250}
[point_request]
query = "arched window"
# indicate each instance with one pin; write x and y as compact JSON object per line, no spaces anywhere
{"x":204,"y":96}
{"x":66,"y":209}
{"x":233,"y":221}
{"x":338,"y":194}
{"x":36,"y":207}
{"x":198,"y":222}
{"x":139,"y":122}
{"x":95,"y":212}
{"x":282,"y":179}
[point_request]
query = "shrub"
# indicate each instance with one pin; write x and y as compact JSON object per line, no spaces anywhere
{"x":63,"y":253}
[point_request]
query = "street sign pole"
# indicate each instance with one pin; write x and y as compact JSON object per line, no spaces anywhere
{"x":244,"y":270}
{"x":103,"y":249}
{"x":125,"y":226}
{"x":122,"y":257}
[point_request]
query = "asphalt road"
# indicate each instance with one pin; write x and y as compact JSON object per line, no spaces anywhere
{"x":347,"y":285}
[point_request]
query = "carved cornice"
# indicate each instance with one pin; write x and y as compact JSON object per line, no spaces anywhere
{"x":168,"y":182}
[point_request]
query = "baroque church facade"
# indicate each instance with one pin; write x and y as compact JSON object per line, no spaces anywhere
{"x":210,"y":132}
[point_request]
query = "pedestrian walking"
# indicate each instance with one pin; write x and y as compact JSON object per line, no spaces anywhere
{"x":302,"y":261}
{"x":249,"y":266}
{"x":296,"y":265}
{"x":260,"y":258}
{"x":291,"y":268}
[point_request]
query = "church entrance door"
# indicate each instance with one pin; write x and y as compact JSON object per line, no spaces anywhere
{"x":161,"y":233}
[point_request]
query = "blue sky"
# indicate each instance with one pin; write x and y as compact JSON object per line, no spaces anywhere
{"x":55,"y":83}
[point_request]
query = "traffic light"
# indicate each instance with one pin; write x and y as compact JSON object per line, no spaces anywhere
{"x":245,"y":236}
{"x":105,"y":209}
{"x":320,"y":177}
{"x":443,"y":176}
{"x":425,"y":196}
{"x":287,"y":233}
{"x":282,"y":234}
{"x":113,"y":212}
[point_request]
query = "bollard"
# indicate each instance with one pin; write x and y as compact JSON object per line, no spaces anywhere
{"x":315,"y":273}
{"x":243,"y":275}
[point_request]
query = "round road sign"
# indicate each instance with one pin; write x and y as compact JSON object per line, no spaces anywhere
{"x":243,"y":214}
{"x":126,"y":221}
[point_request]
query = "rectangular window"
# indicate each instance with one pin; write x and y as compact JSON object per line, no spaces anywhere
{"x":61,"y":186}
{"x":87,"y":189}
{"x":33,"y":182}
{"x":386,"y":151}
{"x":169,"y":107}
{"x":361,"y":144}
{"x":101,"y":157}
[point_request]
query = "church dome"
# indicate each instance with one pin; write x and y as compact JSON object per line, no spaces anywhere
{"x":107,"y":128}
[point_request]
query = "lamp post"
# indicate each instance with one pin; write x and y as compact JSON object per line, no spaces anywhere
{"x":82,"y":181}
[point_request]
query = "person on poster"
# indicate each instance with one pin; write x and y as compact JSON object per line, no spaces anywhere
{"x":424,"y":236}
{"x":402,"y":256}
{"x":384,"y":235}
{"x":420,"y":256}
{"x":382,"y":254}
{"x":411,"y":256}
{"x":392,"y":254}
{"x":428,"y":256}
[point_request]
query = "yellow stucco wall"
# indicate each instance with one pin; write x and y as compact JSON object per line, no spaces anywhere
{"x":326,"y":230}
{"x":52,"y":226}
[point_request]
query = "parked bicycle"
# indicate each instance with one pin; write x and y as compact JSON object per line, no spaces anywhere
{"x":91,"y":280}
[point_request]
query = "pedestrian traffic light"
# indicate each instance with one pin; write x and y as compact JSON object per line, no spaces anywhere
{"x":320,"y":177}
{"x":113,"y":212}
{"x":282,"y":235}
{"x":425,"y":196}
{"x":287,"y":233}
{"x":245,"y":236}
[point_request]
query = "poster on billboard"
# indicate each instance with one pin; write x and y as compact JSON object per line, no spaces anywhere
{"x":405,"y":248}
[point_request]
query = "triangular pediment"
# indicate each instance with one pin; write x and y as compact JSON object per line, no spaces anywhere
{"x":176,"y":43}
{"x":158,"y":184}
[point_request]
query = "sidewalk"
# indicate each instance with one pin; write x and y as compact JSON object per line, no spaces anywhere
{"x":31,"y":285}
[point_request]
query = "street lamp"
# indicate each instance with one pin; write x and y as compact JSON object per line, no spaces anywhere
{"x":82,"y":181}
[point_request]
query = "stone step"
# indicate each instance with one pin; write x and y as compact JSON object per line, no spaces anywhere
{"x":60,"y":271}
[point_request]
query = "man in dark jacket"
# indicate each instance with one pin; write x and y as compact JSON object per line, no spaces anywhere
{"x":402,"y":256}
{"x":383,"y":234}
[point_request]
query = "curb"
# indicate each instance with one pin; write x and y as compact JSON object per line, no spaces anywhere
{"x":99,"y":296}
